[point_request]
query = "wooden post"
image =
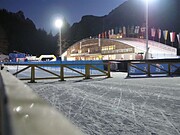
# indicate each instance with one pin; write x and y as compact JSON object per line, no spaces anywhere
{"x":87,"y":71}
{"x":32,"y":74}
{"x":62,"y":72}
{"x":109,"y":71}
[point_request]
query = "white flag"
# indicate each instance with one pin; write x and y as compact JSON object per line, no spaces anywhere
{"x":124,"y":30}
{"x":178,"y":37}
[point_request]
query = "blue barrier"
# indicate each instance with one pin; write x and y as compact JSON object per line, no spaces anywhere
{"x":96,"y":63}
{"x":174,"y":67}
{"x":153,"y":69}
{"x":138,"y":69}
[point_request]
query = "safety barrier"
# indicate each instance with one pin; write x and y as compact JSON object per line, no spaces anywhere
{"x":22,"y":112}
{"x":153,"y":69}
{"x":61,"y":74}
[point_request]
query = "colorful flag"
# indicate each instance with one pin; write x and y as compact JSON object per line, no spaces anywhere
{"x":143,"y":29}
{"x":112,"y":32}
{"x":165,"y":33}
{"x":109,"y":33}
{"x":120,"y":30}
{"x":172,"y":36}
{"x":159,"y":34}
{"x":153,"y":32}
{"x":105,"y":34}
{"x":102,"y":35}
{"x":178,"y":37}
{"x":136,"y":31}
{"x":124,"y":30}
{"x":116,"y":30}
{"x":132,"y":30}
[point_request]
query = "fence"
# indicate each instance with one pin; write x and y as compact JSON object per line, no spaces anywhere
{"x":62,"y":73}
{"x":22,"y":112}
{"x":153,"y":69}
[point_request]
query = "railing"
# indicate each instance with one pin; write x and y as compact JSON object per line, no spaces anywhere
{"x":62,"y":72}
{"x":22,"y":112}
{"x":153,"y":69}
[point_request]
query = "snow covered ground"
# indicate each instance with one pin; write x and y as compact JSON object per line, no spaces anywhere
{"x":116,"y":106}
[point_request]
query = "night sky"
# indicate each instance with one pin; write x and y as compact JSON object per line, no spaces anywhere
{"x":44,"y":12}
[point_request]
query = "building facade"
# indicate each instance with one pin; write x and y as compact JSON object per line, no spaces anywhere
{"x":117,"y":49}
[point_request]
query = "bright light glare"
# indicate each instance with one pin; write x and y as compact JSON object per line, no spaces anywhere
{"x":148,"y":1}
{"x":58,"y":23}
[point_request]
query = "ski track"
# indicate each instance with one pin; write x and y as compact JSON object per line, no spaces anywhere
{"x":117,"y":106}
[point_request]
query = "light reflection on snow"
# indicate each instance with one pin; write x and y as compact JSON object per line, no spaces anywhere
{"x":116,"y":106}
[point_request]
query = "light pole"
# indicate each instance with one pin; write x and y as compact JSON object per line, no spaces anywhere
{"x":59,"y":24}
{"x":147,"y":27}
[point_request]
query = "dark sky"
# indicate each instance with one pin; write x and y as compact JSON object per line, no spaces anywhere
{"x":44,"y":12}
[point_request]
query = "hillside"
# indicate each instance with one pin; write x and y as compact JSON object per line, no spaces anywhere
{"x":162,"y":14}
{"x":22,"y":35}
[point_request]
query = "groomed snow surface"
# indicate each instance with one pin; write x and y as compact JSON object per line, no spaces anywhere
{"x":116,"y":106}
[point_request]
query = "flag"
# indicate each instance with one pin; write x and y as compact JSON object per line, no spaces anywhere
{"x":178,"y":37}
{"x":120,"y":30}
{"x":105,"y":34}
{"x":124,"y":30}
{"x":102,"y":35}
{"x":112,"y":32}
{"x":136,"y":31}
{"x":99,"y":35}
{"x":165,"y":34}
{"x":132,"y":30}
{"x":153,"y":32}
{"x":143,"y":29}
{"x":116,"y":30}
{"x":172,"y":36}
{"x":109,"y":33}
{"x":159,"y":33}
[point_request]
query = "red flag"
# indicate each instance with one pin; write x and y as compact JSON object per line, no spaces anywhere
{"x":105,"y":34}
{"x":172,"y":36}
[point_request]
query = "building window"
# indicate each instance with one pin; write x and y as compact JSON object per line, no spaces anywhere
{"x":106,"y":48}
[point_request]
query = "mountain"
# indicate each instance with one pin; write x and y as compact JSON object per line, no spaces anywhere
{"x":163,"y":14}
{"x":21,"y":35}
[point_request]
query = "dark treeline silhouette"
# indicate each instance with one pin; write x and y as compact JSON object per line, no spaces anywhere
{"x":23,"y":36}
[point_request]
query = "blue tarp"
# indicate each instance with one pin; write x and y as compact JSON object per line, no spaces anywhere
{"x":92,"y":62}
{"x":13,"y":56}
{"x":155,"y":69}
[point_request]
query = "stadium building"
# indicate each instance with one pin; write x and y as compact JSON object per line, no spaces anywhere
{"x":118,"y":49}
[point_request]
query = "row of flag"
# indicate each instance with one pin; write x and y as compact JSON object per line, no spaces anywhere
{"x":135,"y":30}
{"x":173,"y":35}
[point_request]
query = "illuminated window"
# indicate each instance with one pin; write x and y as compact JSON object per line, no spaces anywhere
{"x":112,"y":47}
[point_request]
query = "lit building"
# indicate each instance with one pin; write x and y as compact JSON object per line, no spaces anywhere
{"x":117,"y":49}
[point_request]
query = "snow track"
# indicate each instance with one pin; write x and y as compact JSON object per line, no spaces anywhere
{"x":117,"y":106}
